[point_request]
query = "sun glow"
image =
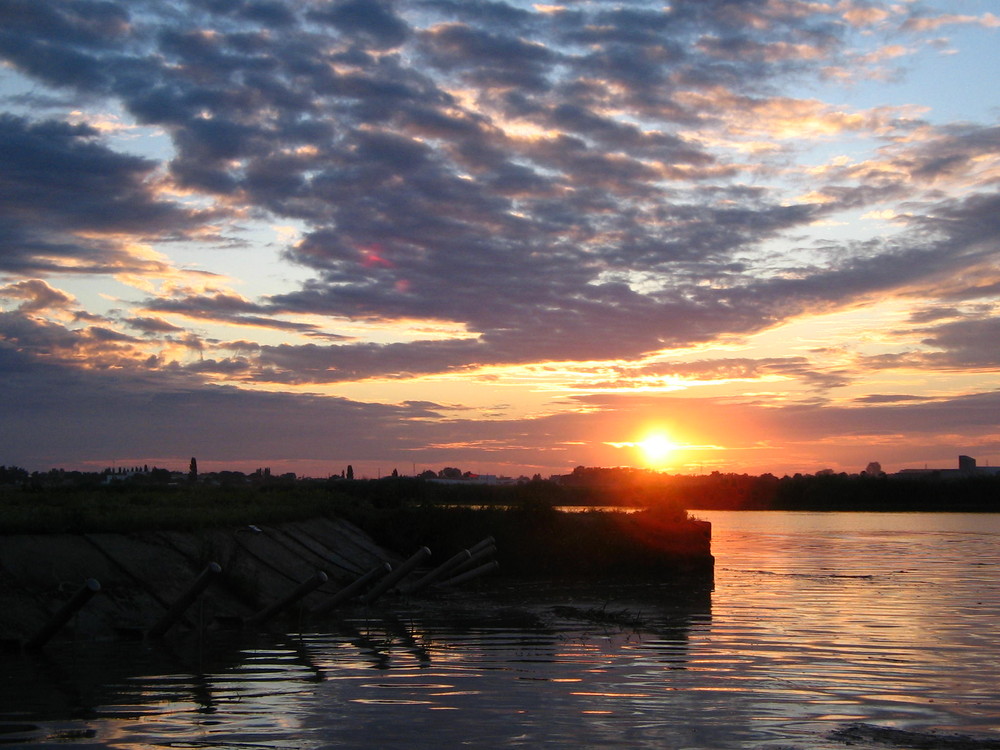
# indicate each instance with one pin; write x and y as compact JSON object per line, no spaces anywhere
{"x":656,"y":448}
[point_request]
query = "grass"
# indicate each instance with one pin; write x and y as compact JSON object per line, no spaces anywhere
{"x":537,"y":540}
{"x":124,"y":509}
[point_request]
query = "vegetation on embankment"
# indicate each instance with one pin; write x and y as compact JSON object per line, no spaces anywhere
{"x":143,"y":506}
{"x":400,"y":514}
{"x":127,"y":507}
{"x":537,"y":540}
{"x":123,"y":508}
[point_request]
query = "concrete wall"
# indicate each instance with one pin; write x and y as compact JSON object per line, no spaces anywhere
{"x":142,"y":574}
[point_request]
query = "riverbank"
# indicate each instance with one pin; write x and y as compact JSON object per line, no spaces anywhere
{"x":143,"y":572}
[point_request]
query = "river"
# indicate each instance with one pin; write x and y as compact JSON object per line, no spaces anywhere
{"x":823,"y":629}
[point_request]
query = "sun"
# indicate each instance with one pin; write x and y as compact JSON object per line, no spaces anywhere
{"x":656,"y":448}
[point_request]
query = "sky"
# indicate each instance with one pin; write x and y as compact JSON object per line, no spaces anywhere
{"x":509,"y":237}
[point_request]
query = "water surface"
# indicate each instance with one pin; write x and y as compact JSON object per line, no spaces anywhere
{"x":817,"y":622}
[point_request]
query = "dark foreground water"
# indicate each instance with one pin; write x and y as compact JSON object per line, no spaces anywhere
{"x":879,"y":630}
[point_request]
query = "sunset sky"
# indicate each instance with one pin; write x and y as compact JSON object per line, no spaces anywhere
{"x":510,"y":237}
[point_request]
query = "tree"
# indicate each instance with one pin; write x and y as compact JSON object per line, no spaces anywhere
{"x":350,"y":471}
{"x":193,"y":470}
{"x":13,"y":475}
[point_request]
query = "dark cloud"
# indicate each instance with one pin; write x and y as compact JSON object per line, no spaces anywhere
{"x":967,"y":344}
{"x":484,"y":12}
{"x":373,"y":20}
{"x":95,"y":409}
{"x":311,"y":363}
{"x":62,"y":190}
{"x":932,"y":314}
{"x":152,"y":326}
{"x":225,"y":307}
{"x":538,"y":238}
{"x":489,"y":59}
{"x":972,"y":222}
{"x":271,"y":13}
{"x":890,"y":398}
{"x":62,"y":42}
{"x":548,"y":307}
{"x":96,"y":346}
{"x":52,"y":164}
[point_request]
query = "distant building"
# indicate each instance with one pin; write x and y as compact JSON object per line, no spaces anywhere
{"x":122,"y":474}
{"x":967,"y":467}
{"x":475,"y":479}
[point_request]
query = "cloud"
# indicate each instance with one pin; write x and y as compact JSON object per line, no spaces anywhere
{"x":94,"y":409}
{"x":488,"y":59}
{"x":152,"y":325}
{"x":967,"y":344}
{"x":37,"y":295}
{"x":890,"y":398}
{"x":95,"y":413}
{"x":94,"y":346}
{"x":373,"y":20}
{"x":743,"y":368}
{"x":577,"y":183}
{"x":225,"y":307}
{"x":932,"y":23}
{"x":67,"y":201}
{"x":958,"y":155}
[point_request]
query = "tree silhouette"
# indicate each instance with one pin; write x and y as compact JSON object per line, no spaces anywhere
{"x":193,"y":470}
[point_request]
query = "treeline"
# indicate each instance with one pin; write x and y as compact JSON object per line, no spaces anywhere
{"x":614,"y":487}
{"x":970,"y":494}
{"x":825,"y":491}
{"x":637,"y":488}
{"x":135,"y":476}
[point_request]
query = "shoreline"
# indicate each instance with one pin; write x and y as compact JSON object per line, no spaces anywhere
{"x":143,"y":574}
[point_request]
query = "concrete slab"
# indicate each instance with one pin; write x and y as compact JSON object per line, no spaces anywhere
{"x":347,"y":540}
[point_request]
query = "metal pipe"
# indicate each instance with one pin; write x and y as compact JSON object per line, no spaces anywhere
{"x":315,"y":581}
{"x":445,"y":567}
{"x":397,"y":575}
{"x":177,"y":609}
{"x":90,"y":587}
{"x":353,"y":588}
{"x":480,"y":546}
{"x":470,"y":574}
{"x":485,"y":553}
